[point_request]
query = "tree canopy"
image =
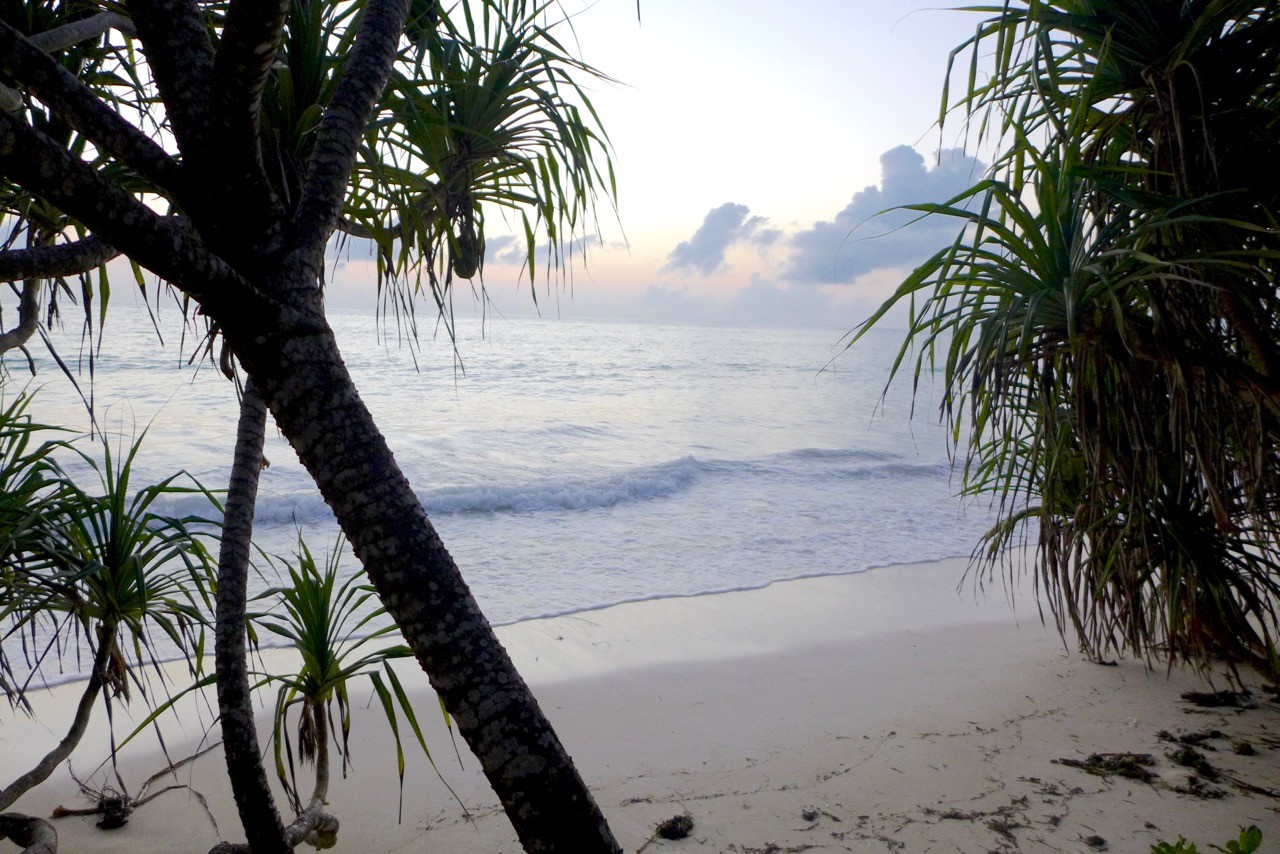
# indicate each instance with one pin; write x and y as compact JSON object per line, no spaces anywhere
{"x":1106,"y":319}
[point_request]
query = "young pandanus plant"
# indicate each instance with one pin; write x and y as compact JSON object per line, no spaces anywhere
{"x":100,"y":571}
{"x":335,"y":624}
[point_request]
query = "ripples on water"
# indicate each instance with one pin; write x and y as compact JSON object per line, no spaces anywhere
{"x":573,"y":464}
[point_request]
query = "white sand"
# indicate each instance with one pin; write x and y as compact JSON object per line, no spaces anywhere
{"x":905,"y":715}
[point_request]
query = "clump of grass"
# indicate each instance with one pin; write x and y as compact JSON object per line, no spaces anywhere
{"x":1249,"y":840}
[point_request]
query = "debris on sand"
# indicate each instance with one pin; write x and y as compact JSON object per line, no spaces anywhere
{"x":1189,"y":757}
{"x":676,"y":827}
{"x":1131,"y":766}
{"x":1221,"y":699}
{"x":1192,"y":739}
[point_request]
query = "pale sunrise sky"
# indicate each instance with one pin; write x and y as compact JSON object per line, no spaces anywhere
{"x":754,"y":142}
{"x":750,"y":140}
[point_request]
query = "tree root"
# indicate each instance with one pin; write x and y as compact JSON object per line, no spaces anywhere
{"x":314,"y":826}
{"x":115,"y":807}
{"x":33,"y":835}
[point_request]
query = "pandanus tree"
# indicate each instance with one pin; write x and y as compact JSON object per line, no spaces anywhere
{"x":1107,"y":318}
{"x":253,"y":133}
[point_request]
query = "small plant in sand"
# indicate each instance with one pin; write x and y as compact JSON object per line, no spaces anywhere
{"x":334,"y":622}
{"x":335,"y":625}
{"x":1250,"y":840}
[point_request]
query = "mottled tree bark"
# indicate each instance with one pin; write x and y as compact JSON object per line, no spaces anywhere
{"x":258,"y":814}
{"x":47,"y":262}
{"x":316,"y":406}
{"x":259,"y":279}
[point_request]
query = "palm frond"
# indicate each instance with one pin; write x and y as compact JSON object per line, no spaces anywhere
{"x":332,"y":619}
{"x":1106,"y":319}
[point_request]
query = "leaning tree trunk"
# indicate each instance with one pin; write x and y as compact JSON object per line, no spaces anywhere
{"x":263,"y":828}
{"x":258,"y":814}
{"x":300,"y":374}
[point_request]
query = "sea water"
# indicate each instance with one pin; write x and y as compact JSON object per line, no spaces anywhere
{"x":572,"y":464}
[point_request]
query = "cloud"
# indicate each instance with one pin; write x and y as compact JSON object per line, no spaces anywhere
{"x":861,"y":239}
{"x":721,"y":228}
{"x":503,"y":250}
{"x":665,"y":296}
{"x":508,"y":250}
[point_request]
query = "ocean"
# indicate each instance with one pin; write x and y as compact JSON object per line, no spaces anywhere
{"x":570,"y":465}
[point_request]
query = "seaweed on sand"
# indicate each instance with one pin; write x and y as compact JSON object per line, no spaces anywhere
{"x":1131,"y":766}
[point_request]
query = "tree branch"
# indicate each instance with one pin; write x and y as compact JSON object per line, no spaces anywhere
{"x":28,"y":318}
{"x":28,"y":298}
{"x":74,"y":32}
{"x":48,"y":262}
{"x":245,"y":54}
{"x":160,"y":244}
{"x":63,"y":37}
{"x":83,"y":110}
{"x":179,"y":53}
{"x":338,"y":138}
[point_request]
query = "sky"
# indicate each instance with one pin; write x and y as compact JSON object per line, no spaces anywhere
{"x":754,"y":144}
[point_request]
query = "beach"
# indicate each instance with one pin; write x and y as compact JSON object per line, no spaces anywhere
{"x":718,"y":507}
{"x":888,"y":710}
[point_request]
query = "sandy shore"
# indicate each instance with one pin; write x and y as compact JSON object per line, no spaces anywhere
{"x":884,"y":711}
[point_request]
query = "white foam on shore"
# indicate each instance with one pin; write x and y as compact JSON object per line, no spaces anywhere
{"x":750,"y":621}
{"x":268,"y":642}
